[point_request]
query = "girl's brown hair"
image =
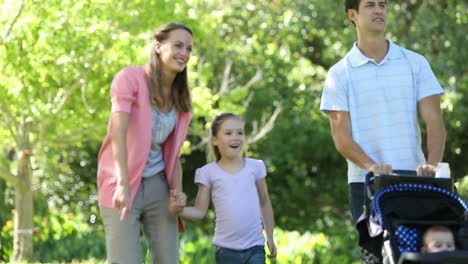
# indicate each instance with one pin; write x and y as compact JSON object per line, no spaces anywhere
{"x":215,"y":125}
{"x":180,"y":90}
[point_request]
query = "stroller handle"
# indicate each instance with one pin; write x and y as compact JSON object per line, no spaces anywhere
{"x":374,"y":182}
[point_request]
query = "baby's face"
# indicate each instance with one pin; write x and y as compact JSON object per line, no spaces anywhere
{"x":439,"y":242}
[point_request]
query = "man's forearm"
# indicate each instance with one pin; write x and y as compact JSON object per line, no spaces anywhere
{"x":353,"y":152}
{"x":435,"y":144}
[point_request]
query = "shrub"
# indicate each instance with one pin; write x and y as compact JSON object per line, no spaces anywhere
{"x":73,"y":238}
{"x":61,"y":236}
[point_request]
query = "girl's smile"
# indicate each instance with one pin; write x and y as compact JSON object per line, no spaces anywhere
{"x":230,"y":138}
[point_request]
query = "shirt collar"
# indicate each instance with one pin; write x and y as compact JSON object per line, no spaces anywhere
{"x":357,"y":58}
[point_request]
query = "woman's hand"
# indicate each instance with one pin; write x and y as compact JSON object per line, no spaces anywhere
{"x":121,"y":200}
{"x":177,"y":201}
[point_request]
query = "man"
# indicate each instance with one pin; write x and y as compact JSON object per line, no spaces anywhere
{"x":372,"y":97}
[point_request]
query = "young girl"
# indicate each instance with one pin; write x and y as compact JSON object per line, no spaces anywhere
{"x":240,"y":197}
{"x":139,"y":160}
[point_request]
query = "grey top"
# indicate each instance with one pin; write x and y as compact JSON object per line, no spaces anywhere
{"x":163,"y":124}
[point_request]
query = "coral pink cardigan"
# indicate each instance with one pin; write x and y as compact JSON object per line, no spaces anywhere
{"x":129,"y":93}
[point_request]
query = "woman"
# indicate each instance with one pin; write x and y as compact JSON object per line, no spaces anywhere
{"x":138,"y":163}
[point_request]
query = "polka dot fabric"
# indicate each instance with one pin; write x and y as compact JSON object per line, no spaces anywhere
{"x":407,"y":239}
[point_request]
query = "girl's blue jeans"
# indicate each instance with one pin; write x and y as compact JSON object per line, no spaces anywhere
{"x":253,"y":255}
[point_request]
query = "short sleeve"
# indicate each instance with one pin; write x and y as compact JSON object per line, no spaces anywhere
{"x":123,"y":91}
{"x":260,"y":170}
{"x":203,"y":177}
{"x":335,"y":92}
{"x":426,"y":81}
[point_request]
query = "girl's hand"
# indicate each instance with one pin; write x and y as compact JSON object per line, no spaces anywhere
{"x":121,"y":200}
{"x":272,"y":248}
{"x":177,"y":201}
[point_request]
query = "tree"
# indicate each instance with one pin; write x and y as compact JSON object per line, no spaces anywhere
{"x":57,"y":57}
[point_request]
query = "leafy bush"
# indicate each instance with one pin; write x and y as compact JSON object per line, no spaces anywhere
{"x":462,"y":187}
{"x":61,"y":236}
{"x":292,"y":246}
{"x":73,"y":238}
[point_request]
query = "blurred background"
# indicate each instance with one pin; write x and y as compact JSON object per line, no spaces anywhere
{"x":264,"y":60}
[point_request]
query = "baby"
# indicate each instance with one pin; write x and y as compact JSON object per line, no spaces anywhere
{"x":438,"y":239}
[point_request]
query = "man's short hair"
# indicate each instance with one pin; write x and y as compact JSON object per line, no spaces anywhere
{"x":352,"y":4}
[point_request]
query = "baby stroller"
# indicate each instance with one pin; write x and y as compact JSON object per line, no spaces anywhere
{"x":401,"y":206}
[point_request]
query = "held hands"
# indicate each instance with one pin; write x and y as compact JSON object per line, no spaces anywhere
{"x":426,"y":170}
{"x":177,"y":201}
{"x":272,"y":248}
{"x":121,"y":200}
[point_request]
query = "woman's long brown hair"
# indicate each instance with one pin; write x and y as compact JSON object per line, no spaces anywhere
{"x":180,"y":89}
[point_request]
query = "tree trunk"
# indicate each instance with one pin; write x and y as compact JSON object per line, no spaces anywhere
{"x":23,"y":229}
{"x":3,"y":217}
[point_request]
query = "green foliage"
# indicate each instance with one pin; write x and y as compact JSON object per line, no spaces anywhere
{"x":462,"y":188}
{"x":72,"y":238}
{"x":196,"y":247}
{"x":292,"y":247}
{"x":61,"y":236}
{"x":332,"y":240}
{"x":326,"y":246}
{"x":57,"y":59}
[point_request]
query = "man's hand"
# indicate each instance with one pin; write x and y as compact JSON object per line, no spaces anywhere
{"x":381,"y":168}
{"x":426,"y":170}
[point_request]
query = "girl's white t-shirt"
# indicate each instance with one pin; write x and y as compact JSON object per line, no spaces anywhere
{"x":236,"y":202}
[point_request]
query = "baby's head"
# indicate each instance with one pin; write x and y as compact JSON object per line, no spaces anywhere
{"x":438,"y":239}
